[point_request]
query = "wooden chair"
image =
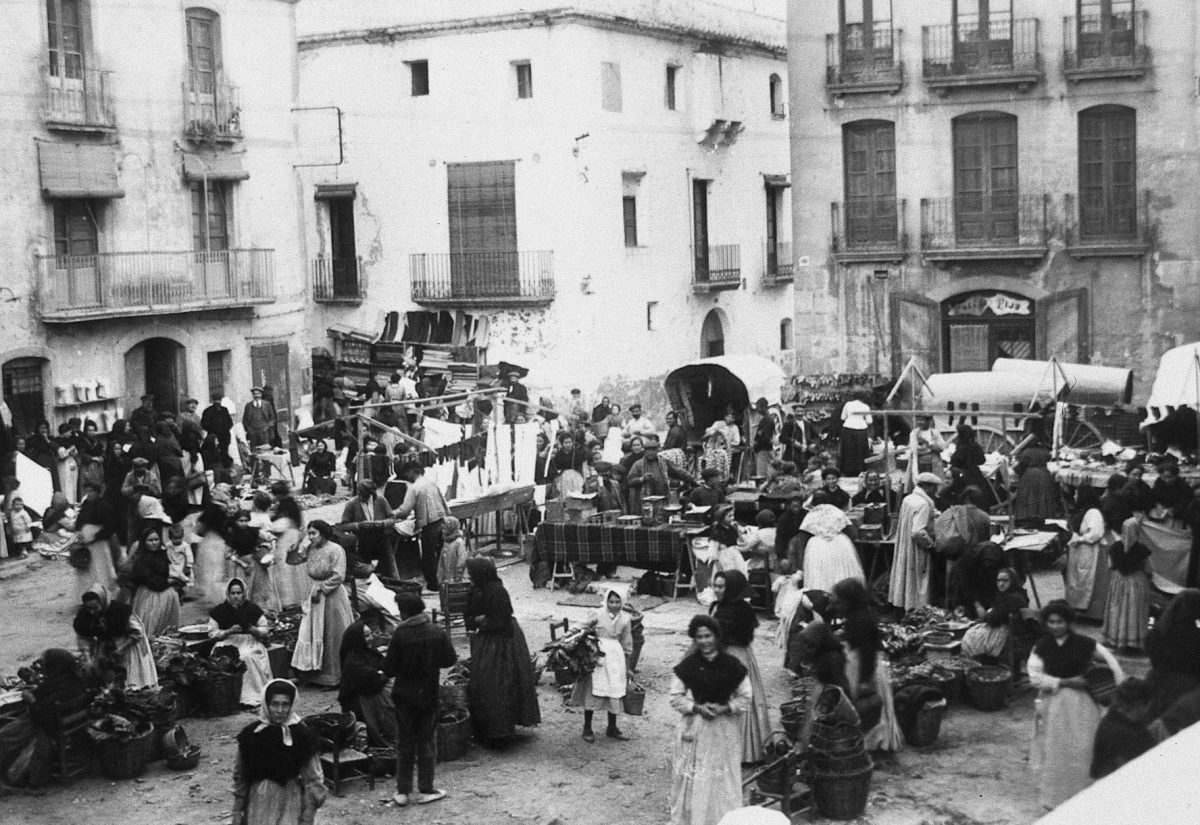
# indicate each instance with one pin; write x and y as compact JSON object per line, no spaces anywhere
{"x":345,"y":765}
{"x":72,"y":750}
{"x":454,"y":603}
{"x":563,"y":625}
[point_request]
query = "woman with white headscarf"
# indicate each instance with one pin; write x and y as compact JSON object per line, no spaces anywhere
{"x":277,"y":778}
{"x":603,"y":688}
{"x":829,"y":554}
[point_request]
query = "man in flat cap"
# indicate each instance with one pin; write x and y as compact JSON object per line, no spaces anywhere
{"x":145,"y":415}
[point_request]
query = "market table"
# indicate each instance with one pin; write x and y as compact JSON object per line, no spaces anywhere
{"x":1024,"y":543}
{"x":470,"y":509}
{"x":1092,"y":476}
{"x":662,"y":547}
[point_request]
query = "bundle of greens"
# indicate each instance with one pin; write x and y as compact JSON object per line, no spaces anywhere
{"x":577,"y":652}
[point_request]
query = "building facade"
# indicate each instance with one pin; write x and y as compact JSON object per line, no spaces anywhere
{"x":603,"y":184}
{"x":150,"y":207}
{"x":977,"y":179}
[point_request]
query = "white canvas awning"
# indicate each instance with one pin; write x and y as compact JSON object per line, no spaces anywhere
{"x":1175,"y":383}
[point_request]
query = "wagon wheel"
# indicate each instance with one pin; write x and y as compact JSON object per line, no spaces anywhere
{"x":991,"y":439}
{"x":1081,"y":435}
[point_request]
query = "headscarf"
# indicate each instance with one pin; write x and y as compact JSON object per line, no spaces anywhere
{"x":113,"y":620}
{"x":150,"y":508}
{"x":606,"y":619}
{"x":736,"y":586}
{"x":733,"y":613}
{"x":354,"y":640}
{"x":226,"y":615}
{"x":482,"y":570}
{"x":825,"y":521}
{"x":55,"y":512}
{"x":274,"y":688}
{"x":451,"y":529}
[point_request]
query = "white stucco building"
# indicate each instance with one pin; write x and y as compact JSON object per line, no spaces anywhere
{"x":150,"y":212}
{"x":604,"y":182}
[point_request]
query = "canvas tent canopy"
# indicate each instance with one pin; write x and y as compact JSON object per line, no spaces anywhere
{"x":1013,"y":384}
{"x":703,"y":390}
{"x":1175,"y":383}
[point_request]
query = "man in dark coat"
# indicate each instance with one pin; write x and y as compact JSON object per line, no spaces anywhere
{"x":145,"y":415}
{"x":418,"y":651}
{"x":217,"y":424}
{"x":259,"y":419}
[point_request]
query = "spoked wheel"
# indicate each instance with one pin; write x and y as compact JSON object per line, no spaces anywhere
{"x":1080,"y":435}
{"x":991,"y":439}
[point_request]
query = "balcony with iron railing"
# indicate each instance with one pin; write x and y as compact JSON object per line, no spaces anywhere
{"x":869,"y":230}
{"x":777,"y":263}
{"x":120,"y":284}
{"x":1103,"y":225}
{"x":212,"y":108}
{"x":1094,"y":51}
{"x":77,"y":99}
{"x":716,"y":268}
{"x":1006,"y":53}
{"x":339,"y":280}
{"x":853,"y":66}
{"x":483,"y":279}
{"x":985,"y":227}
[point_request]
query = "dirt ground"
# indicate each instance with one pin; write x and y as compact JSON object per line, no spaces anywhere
{"x":977,"y":773}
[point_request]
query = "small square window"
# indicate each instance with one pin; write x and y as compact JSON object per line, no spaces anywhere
{"x":669,"y":98}
{"x":524,"y":73}
{"x":419,"y":74}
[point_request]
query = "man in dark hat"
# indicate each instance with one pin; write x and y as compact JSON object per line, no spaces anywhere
{"x":608,"y":492}
{"x":259,"y":419}
{"x":217,"y":424}
{"x":764,"y":438}
{"x":145,"y":415}
{"x":517,"y":392}
{"x":370,"y":517}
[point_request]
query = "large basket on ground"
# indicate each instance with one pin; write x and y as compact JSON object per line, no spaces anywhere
{"x":338,"y":728}
{"x":778,"y":778}
{"x":634,"y":700}
{"x":453,"y":693}
{"x":926,"y":726}
{"x":842,"y":795}
{"x":453,"y":735}
{"x":219,"y":694}
{"x":988,"y":686}
{"x":125,"y":759}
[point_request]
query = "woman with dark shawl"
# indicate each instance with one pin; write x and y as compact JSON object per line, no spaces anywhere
{"x":1037,"y":491}
{"x":710,"y":690}
{"x":966,"y":464}
{"x":737,"y":621}
{"x":502,"y":693}
{"x":366,"y":691}
{"x":866,"y":669}
{"x":42,"y":449}
{"x":155,"y":602}
{"x":987,"y":638}
{"x":277,"y":778}
{"x":1066,"y":715}
{"x":110,"y":636}
{"x":1173,"y":645}
{"x":241,"y":624}
{"x":26,"y":744}
{"x":813,"y":649}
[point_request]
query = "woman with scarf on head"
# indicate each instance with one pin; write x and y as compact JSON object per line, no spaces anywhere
{"x":155,"y":602}
{"x":277,"y":777}
{"x":1065,"y":715}
{"x":327,"y":611}
{"x":988,"y":637}
{"x":42,"y":449}
{"x":603,"y":688}
{"x":710,"y":690}
{"x":89,"y":451}
{"x":813,"y":648}
{"x":828,"y":555}
{"x":111,"y":637}
{"x":241,"y":624}
{"x":737,"y":621}
{"x":1173,"y":645}
{"x":66,"y":458}
{"x":866,"y":668}
{"x":26,"y":742}
{"x":502,"y":693}
{"x":365,"y":690}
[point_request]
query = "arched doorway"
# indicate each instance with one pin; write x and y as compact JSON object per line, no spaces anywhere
{"x":712,"y":335}
{"x":979,"y":327}
{"x":158,"y":367}
{"x":23,"y":381}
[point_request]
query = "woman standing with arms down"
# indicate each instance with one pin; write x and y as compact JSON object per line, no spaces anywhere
{"x":327,"y":611}
{"x":735,"y":617}
{"x":277,"y":778}
{"x":155,"y":602}
{"x":710,"y":689}
{"x":604,"y":688}
{"x":1066,"y":716}
{"x":501,"y":693}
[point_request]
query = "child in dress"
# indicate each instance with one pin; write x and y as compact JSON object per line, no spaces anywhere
{"x":788,"y":593}
{"x":180,"y":559}
{"x":604,"y":688}
{"x":452,"y":566}
{"x":21,"y":526}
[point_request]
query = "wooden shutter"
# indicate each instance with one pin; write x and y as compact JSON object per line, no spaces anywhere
{"x":1108,"y":173}
{"x":1062,"y":327}
{"x":915,"y":321}
{"x":869,"y":161}
{"x":985,"y":177}
{"x":482,"y":205}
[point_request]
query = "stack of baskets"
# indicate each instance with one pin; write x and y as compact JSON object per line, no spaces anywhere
{"x":841,"y":766}
{"x":454,"y":719}
{"x":218,"y":694}
{"x":988,"y":686}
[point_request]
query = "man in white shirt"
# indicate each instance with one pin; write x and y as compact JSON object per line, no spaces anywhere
{"x":637,"y":425}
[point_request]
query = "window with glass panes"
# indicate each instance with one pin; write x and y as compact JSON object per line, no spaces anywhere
{"x":75,"y":230}
{"x":203,"y":50}
{"x":210,"y":216}
{"x":64,"y":29}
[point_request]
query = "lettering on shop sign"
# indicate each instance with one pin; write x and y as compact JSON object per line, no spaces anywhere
{"x":998,"y":304}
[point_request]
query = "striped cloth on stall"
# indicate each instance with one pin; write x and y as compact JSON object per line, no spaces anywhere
{"x":591,"y":543}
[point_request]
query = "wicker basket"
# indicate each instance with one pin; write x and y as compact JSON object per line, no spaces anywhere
{"x":185,"y":761}
{"x":843,"y":795}
{"x":947,"y":682}
{"x":775,"y":781}
{"x":383,"y":761}
{"x":219,"y":694}
{"x":453,"y":736}
{"x":124,"y":759}
{"x":849,"y":763}
{"x":453,"y":694}
{"x":925,"y":728}
{"x":988,"y":686}
{"x":634,"y":700}
{"x":564,"y":676}
{"x":338,"y":728}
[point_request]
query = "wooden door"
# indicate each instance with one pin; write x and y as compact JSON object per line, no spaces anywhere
{"x":1108,"y":173}
{"x":866,"y":37}
{"x":269,"y":368}
{"x":985,"y":178}
{"x":700,"y":228}
{"x":869,"y":150}
{"x":914,"y":322}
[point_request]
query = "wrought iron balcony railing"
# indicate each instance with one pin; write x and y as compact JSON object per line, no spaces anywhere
{"x":77,"y":99}
{"x":339,"y":280}
{"x":1004,"y":53}
{"x":483,"y":278}
{"x":212,"y":108}
{"x":777,"y":268}
{"x":985,"y":226}
{"x":716,"y":267}
{"x":855,"y":66}
{"x":869,"y":230}
{"x":1097,"y":225}
{"x":1094,"y":51}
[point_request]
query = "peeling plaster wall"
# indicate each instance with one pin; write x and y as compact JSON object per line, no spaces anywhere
{"x":1138,"y":306}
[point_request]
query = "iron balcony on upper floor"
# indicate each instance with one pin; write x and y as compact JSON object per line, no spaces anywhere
{"x":856,"y":64}
{"x":716,"y":267}
{"x":76,"y":99}
{"x":339,"y":280}
{"x":869,"y":230}
{"x":1098,"y":47}
{"x":212,"y":108}
{"x":985,"y":226}
{"x":777,"y":269}
{"x":1005,"y":52}
{"x":74,"y":288}
{"x":482,"y":279}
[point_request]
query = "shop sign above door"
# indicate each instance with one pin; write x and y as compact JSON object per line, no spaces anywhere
{"x":998,"y":304}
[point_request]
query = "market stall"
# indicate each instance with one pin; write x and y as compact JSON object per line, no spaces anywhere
{"x":663,"y":548}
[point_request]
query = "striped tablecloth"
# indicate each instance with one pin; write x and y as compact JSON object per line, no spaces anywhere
{"x":1098,"y":476}
{"x":565,"y":542}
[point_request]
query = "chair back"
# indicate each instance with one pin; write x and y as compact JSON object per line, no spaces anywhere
{"x":71,"y":715}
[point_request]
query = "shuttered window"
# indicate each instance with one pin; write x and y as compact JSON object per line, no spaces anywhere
{"x":210,"y":216}
{"x":64,"y":28}
{"x":869,"y":149}
{"x":75,"y":231}
{"x":1108,"y":172}
{"x":203,"y":49}
{"x":482,"y":203}
{"x":985,"y":177}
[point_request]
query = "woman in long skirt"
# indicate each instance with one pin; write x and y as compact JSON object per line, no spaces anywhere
{"x":1086,"y":578}
{"x":240,"y":623}
{"x":1065,"y":715}
{"x":1128,"y":612}
{"x":327,"y":611}
{"x":110,"y":636}
{"x":829,"y":555}
{"x":366,"y":691}
{"x":92,"y":526}
{"x":501,"y":693}
{"x":155,"y":602}
{"x":737,"y":621}
{"x":291,"y":579}
{"x":867,"y":671}
{"x":67,"y":462}
{"x":603,"y":689}
{"x":277,"y":777}
{"x":710,"y":690}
